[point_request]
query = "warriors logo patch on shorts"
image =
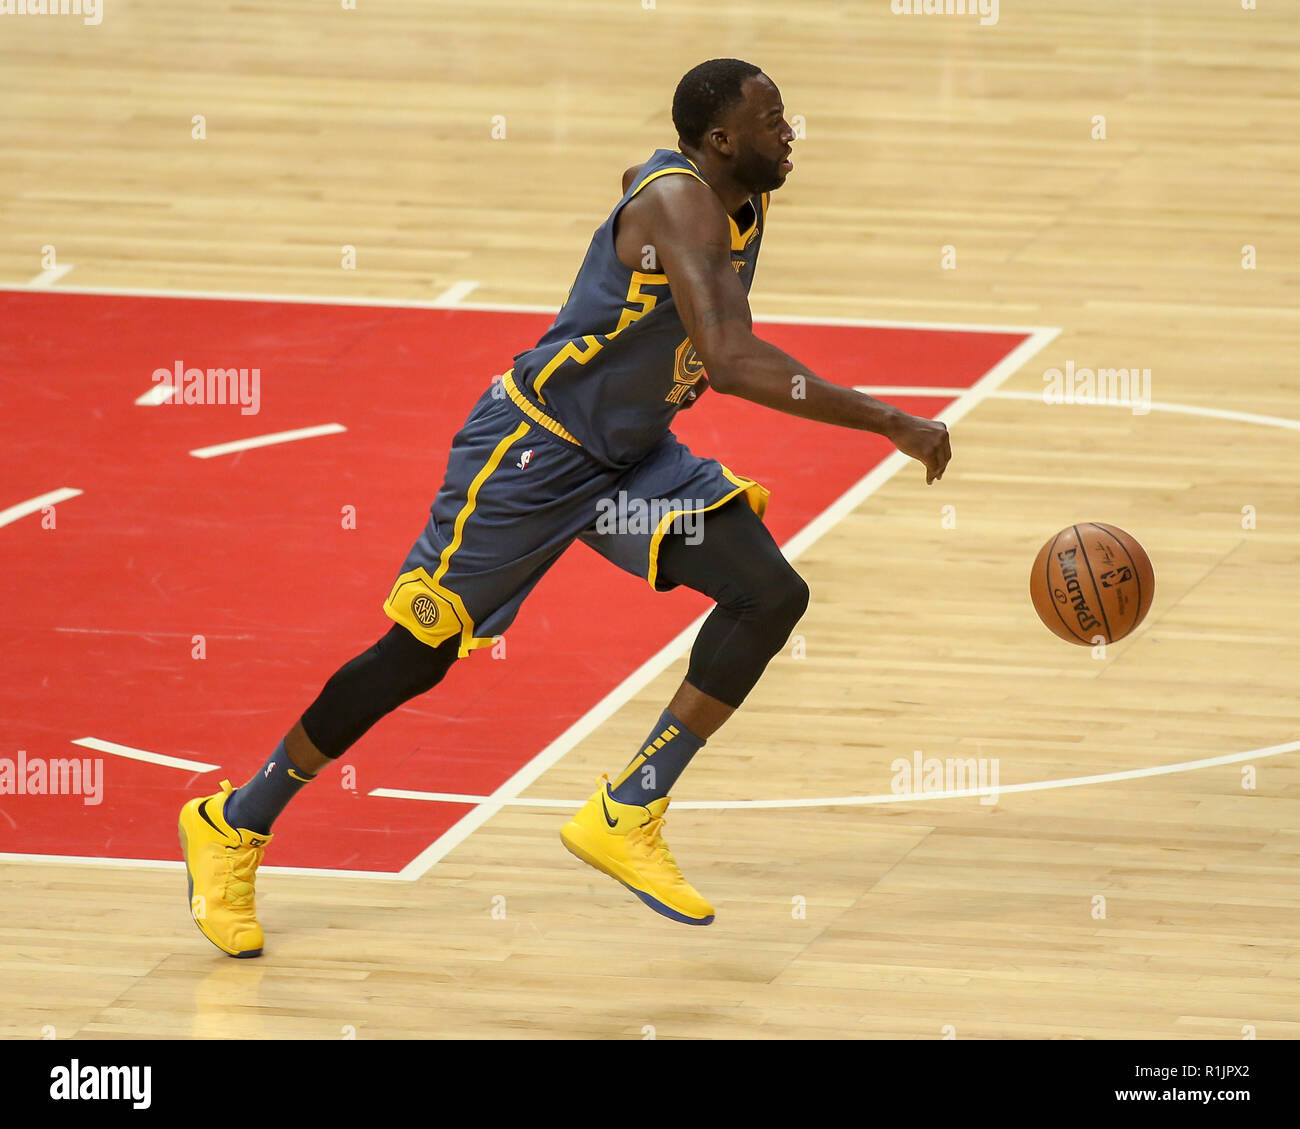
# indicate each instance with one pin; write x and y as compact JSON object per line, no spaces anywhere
{"x":424,"y":612}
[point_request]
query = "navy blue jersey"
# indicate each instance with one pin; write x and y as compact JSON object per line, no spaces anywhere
{"x":616,"y":365}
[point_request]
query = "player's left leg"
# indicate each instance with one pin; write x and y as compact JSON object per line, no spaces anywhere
{"x":759,"y":599}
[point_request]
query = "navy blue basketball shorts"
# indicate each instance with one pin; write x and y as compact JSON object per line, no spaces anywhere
{"x":519,"y":490}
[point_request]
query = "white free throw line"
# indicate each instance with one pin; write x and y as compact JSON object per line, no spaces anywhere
{"x":267,"y":440}
{"x":35,"y":505}
{"x":143,"y":755}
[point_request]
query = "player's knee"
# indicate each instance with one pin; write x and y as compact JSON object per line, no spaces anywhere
{"x":788,"y":598}
{"x":777,"y":597}
{"x":415,"y":667}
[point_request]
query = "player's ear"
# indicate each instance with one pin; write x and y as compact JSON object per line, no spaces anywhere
{"x":722,"y":141}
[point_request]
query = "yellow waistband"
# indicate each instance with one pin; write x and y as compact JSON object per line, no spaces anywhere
{"x":533,"y":412}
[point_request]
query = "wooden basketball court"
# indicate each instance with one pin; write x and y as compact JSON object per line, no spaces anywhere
{"x":1099,"y":845}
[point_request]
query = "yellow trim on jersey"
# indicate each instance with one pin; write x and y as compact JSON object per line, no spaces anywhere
{"x":398,"y":606}
{"x":471,"y":498}
{"x":669,"y":172}
{"x":755,"y":495}
{"x":740,"y":239}
{"x":572,"y":351}
{"x":533,"y":413}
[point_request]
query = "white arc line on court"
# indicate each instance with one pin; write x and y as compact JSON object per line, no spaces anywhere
{"x":49,"y":277}
{"x":1154,"y":405}
{"x":882,"y":798}
{"x":143,"y":755}
{"x":35,"y":505}
{"x":696,"y":805}
{"x":267,"y":440}
{"x":456,"y":292}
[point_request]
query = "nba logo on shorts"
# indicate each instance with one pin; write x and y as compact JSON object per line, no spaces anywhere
{"x":525,"y":459}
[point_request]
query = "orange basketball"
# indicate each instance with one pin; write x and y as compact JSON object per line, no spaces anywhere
{"x":1092,"y":581}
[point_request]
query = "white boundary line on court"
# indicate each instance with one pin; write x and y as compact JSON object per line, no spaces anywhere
{"x":177,"y":864}
{"x":444,"y":302}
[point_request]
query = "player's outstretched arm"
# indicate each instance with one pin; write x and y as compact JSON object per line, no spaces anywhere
{"x":693,"y":244}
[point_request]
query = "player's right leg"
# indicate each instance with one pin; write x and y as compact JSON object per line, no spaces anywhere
{"x":733,"y":559}
{"x":224,"y":835}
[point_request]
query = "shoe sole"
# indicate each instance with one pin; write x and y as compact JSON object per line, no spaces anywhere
{"x":189,"y":881}
{"x":576,"y":849}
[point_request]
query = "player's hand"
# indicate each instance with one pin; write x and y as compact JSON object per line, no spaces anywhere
{"x":925,"y":440}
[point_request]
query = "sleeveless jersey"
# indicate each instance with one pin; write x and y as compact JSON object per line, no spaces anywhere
{"x":616,"y":365}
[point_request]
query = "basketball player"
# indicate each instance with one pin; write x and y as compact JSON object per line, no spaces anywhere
{"x":658,"y":313}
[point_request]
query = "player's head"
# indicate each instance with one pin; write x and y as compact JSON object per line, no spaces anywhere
{"x":732,"y":109}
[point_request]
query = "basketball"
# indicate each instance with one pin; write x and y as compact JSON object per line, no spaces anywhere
{"x":1092,"y":582}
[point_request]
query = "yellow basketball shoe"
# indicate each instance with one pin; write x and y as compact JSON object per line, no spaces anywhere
{"x":626,"y":842}
{"x":221,"y":865}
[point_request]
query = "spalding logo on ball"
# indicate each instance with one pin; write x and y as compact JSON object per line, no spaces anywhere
{"x":1092,"y":583}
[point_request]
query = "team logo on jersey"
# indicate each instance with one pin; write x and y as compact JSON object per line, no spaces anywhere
{"x":525,"y":459}
{"x":738,"y":265}
{"x":425,"y":610}
{"x":687,"y":371}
